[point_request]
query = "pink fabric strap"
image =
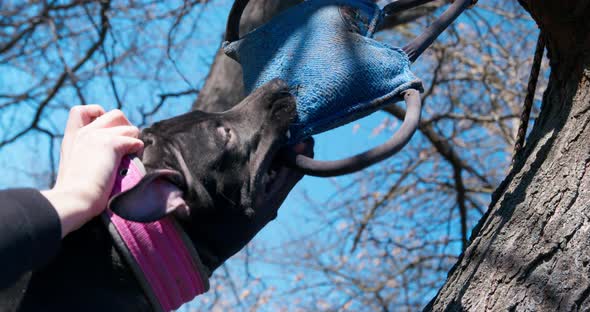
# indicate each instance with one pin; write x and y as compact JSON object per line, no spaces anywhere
{"x":166,"y":259}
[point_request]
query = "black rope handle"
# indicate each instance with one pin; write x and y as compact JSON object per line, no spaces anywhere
{"x":232,"y":30}
{"x":361,"y":161}
{"x":403,"y":5}
{"x":530,"y":96}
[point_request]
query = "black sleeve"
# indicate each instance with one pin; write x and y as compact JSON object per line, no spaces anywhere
{"x":30,"y":233}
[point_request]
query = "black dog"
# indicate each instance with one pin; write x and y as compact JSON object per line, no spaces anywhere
{"x":225,"y":168}
{"x":216,"y":159}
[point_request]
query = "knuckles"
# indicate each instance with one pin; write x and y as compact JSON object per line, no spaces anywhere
{"x":117,"y":114}
{"x":76,"y":110}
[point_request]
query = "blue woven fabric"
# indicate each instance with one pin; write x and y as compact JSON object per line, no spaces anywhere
{"x":324,"y":50}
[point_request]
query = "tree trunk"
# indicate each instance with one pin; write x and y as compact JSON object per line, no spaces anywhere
{"x":531,"y":251}
{"x":224,"y":86}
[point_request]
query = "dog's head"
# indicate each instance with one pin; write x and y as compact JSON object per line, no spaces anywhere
{"x":200,"y":162}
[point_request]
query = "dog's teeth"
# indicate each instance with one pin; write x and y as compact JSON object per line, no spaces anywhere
{"x":288,"y":134}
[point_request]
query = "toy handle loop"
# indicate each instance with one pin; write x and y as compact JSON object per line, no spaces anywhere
{"x":361,"y":161}
{"x":232,"y":31}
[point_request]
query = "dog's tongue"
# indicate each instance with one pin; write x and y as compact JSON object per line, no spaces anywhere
{"x":151,"y":198}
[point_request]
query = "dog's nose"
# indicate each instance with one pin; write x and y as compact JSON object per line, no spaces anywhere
{"x":147,"y":138}
{"x":278,"y":85}
{"x":279,"y":90}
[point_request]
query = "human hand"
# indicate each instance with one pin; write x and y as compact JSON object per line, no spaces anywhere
{"x":94,"y":143}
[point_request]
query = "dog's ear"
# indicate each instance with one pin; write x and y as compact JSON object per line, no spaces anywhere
{"x":155,"y":196}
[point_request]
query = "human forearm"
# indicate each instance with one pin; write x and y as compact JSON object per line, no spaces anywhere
{"x":70,"y":212}
{"x":31,"y":233}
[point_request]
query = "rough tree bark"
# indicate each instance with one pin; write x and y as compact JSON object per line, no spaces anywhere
{"x":531,"y":251}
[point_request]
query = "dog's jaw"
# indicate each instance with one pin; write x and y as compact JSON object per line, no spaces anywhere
{"x":266,"y":169}
{"x":280,"y":178}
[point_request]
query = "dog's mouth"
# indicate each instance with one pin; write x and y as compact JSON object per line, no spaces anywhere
{"x":275,"y":179}
{"x":182,"y":179}
{"x":271,"y":175}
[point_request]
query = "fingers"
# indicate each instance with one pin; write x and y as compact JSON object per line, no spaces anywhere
{"x":129,"y":131}
{"x":125,"y":145}
{"x":91,"y":117}
{"x":123,"y":139}
{"x":91,"y":120}
{"x":113,"y":118}
{"x":81,"y":115}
